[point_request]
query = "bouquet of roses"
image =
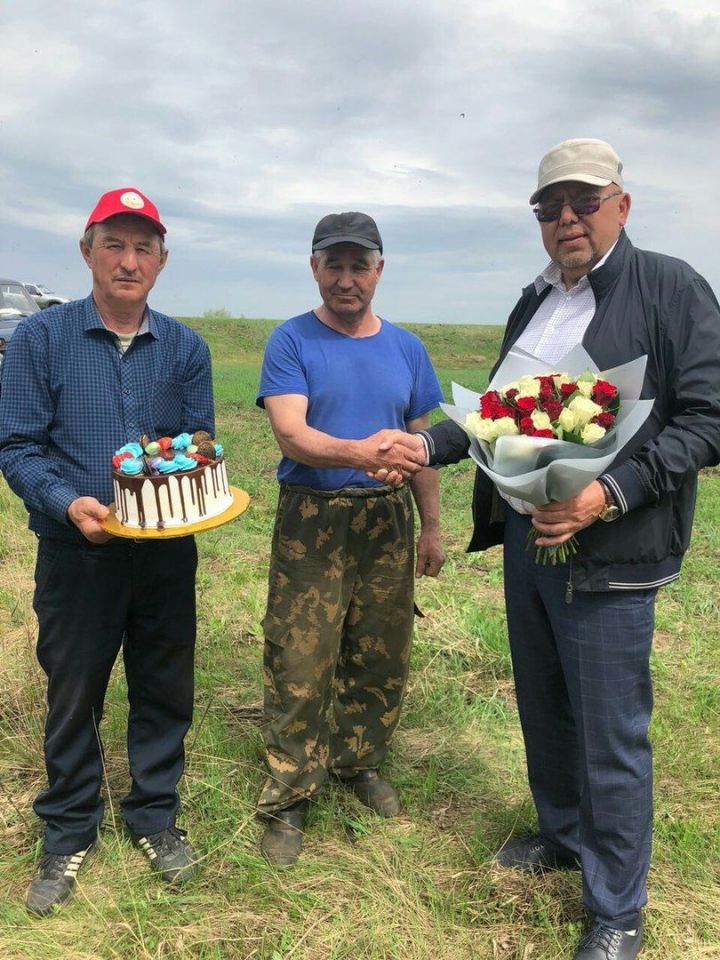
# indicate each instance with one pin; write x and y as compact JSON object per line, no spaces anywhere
{"x":557,"y":406}
{"x":544,"y":436}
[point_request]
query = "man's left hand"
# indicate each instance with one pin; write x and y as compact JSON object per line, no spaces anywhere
{"x":430,"y":555}
{"x":558,"y":522}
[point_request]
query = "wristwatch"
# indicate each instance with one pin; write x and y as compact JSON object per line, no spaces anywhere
{"x":611,"y":511}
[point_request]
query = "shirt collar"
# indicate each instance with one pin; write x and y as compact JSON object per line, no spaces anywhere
{"x":93,"y":320}
{"x":552,"y":276}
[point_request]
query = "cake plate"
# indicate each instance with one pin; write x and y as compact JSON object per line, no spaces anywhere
{"x":112,"y":525}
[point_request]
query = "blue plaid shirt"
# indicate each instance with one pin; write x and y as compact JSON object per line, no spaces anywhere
{"x":69,"y":399}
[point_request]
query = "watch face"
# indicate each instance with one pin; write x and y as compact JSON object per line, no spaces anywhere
{"x":610,"y":513}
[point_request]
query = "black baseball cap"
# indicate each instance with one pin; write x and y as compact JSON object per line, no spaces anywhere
{"x":352,"y":227}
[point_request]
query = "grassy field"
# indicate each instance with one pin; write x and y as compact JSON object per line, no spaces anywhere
{"x":424,"y":885}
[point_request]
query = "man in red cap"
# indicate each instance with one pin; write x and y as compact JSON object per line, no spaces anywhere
{"x":80,"y":380}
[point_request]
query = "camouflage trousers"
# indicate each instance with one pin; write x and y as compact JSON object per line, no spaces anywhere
{"x":338,"y":631}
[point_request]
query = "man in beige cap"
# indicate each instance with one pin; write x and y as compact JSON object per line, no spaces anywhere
{"x":580,"y":632}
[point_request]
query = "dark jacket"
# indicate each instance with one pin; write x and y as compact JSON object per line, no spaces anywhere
{"x":646,"y":304}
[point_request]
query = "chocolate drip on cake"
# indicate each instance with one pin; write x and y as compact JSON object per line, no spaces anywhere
{"x":201,"y":481}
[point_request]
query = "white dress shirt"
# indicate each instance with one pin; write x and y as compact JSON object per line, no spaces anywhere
{"x":558,"y":325}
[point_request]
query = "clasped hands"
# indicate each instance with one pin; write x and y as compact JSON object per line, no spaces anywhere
{"x":394,"y":456}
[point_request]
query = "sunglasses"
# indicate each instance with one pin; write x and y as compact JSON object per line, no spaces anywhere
{"x":582,"y":207}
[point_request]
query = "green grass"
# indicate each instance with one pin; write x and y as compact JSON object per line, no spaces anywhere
{"x":422,"y":886}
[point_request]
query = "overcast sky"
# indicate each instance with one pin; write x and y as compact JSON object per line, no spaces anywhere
{"x":247,"y":122}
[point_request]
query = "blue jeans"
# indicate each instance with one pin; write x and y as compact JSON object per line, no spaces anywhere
{"x":584,"y":693}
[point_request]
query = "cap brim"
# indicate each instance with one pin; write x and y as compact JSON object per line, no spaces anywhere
{"x":334,"y":241}
{"x":135,"y":213}
{"x":571,"y":178}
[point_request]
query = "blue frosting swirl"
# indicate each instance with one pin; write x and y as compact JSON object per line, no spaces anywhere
{"x":132,"y":467}
{"x":185,"y":463}
{"x":182,"y":441}
{"x":134,"y":448}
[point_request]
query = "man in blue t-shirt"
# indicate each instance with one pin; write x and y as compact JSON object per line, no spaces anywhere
{"x":335,"y":382}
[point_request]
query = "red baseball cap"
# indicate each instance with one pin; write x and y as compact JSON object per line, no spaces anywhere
{"x":126,"y":200}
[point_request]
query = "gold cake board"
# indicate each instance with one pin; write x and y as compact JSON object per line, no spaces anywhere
{"x":112,"y":525}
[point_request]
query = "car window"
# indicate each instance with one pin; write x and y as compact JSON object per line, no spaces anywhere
{"x":13,"y":296}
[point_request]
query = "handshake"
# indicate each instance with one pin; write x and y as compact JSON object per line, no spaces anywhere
{"x":393,"y":456}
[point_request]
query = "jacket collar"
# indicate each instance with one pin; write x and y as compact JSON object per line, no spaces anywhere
{"x":602,"y":279}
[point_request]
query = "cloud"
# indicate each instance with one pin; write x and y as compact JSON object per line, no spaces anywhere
{"x":247,"y":122}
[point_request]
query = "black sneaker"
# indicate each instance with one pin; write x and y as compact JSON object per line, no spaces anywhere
{"x":535,"y":853}
{"x":54,"y":880}
{"x":170,"y":853}
{"x":606,"y":943}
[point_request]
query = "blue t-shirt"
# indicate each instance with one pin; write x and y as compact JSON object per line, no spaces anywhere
{"x":354,"y":385}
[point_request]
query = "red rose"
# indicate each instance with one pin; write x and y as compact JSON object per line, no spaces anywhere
{"x":527,"y":426}
{"x":567,"y":390}
{"x":512,"y":392}
{"x":526,"y":404}
{"x":604,"y":393}
{"x":604,"y":419}
{"x":542,"y":433}
{"x":503,"y":410}
{"x":553,"y":408}
{"x":547,"y":392}
{"x":488,"y":404}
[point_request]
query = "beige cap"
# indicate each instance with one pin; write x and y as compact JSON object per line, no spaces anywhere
{"x":589,"y":161}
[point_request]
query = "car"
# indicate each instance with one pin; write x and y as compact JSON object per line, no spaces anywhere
{"x":15,"y":304}
{"x":43,"y":296}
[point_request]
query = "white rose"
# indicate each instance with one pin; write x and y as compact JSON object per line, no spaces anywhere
{"x":506,"y":427}
{"x":585,"y":387}
{"x":592,"y":432}
{"x":541,"y":421}
{"x":584,"y":409}
{"x":481,"y":427}
{"x":528,"y":387}
{"x":568,"y":420}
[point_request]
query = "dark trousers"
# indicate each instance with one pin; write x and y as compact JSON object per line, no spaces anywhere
{"x":584,"y":695}
{"x":90,"y":600}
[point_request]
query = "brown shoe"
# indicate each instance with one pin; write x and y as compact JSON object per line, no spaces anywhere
{"x":282,"y":840}
{"x":374,"y":792}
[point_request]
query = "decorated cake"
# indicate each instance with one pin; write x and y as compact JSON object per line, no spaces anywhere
{"x":170,"y":481}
